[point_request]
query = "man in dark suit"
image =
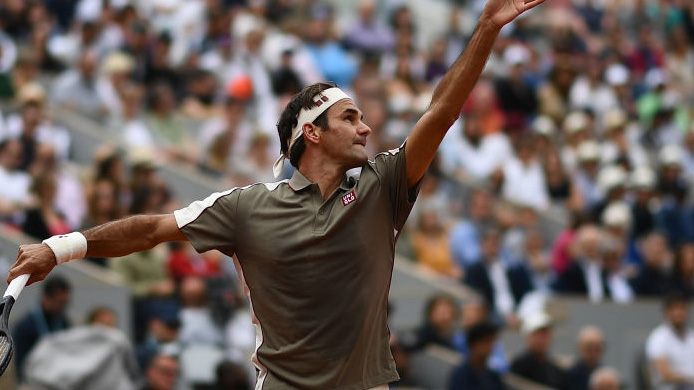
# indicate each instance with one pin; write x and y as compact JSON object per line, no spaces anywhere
{"x":502,"y":287}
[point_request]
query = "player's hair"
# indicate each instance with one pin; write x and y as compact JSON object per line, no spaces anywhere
{"x":54,"y":285}
{"x":289,"y":117}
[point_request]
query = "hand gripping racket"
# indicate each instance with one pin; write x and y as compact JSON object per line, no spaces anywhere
{"x":8,"y":300}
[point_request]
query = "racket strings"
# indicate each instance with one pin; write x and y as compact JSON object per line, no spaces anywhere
{"x":5,"y":345}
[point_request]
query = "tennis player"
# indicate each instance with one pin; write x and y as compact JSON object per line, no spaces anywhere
{"x":316,"y":251}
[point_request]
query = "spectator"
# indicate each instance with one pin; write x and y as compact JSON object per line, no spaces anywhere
{"x":197,"y":324}
{"x":591,"y":348}
{"x":642,"y":182}
{"x":577,"y":131}
{"x":605,"y":379}
{"x":535,"y":363}
{"x":652,"y":279}
{"x":474,"y":373}
{"x":536,"y":263}
{"x":367,"y":35}
{"x":162,"y":334}
{"x":501,"y":287}
{"x":14,"y":193}
{"x":46,"y":318}
{"x":471,"y":154}
{"x":231,"y":376}
{"x":117,"y":68}
{"x":33,"y":127}
{"x":439,"y":323}
{"x":673,"y":216}
{"x":44,"y":220}
{"x":78,"y":89}
{"x":467,"y":233}
{"x":431,"y":245}
{"x":586,"y":174}
{"x":564,"y":243}
{"x":683,"y":270}
{"x":185,"y":262}
{"x":333,"y":61}
{"x":131,"y":126}
{"x":553,"y":96}
{"x":95,"y":355}
{"x":669,"y":347}
{"x":167,"y":126}
{"x":516,"y":96}
{"x":524,"y":181}
{"x":474,"y":312}
{"x":162,"y":372}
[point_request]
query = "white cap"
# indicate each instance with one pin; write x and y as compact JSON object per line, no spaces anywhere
{"x":617,"y":74}
{"x":611,"y":177}
{"x":617,"y":214}
{"x":642,"y":178}
{"x":543,"y":125}
{"x":118,"y":62}
{"x":670,"y":155}
{"x":655,"y":78}
{"x":516,"y":54}
{"x":588,"y":151}
{"x":31,"y":92}
{"x":575,"y":122}
{"x":536,"y":321}
{"x":614,"y":119}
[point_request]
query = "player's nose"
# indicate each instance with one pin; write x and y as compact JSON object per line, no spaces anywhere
{"x":364,"y":129}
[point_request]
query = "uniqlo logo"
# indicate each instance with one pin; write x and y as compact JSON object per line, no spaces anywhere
{"x":349,"y":198}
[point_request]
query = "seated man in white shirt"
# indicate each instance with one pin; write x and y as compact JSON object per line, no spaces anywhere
{"x":467,"y":152}
{"x":670,"y":348}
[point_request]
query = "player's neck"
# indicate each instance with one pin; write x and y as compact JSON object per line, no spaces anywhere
{"x":325,"y":173}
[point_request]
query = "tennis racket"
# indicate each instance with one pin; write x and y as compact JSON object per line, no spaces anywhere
{"x":8,"y":300}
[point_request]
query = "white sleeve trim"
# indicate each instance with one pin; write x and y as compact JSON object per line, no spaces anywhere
{"x":189,"y":214}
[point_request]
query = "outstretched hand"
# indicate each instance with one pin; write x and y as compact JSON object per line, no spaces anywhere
{"x":36,"y":260}
{"x":502,"y":12}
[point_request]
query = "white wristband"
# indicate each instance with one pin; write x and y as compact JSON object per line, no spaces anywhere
{"x":67,"y":247}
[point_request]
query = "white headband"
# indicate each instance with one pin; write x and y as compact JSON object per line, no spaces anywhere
{"x":323,"y":100}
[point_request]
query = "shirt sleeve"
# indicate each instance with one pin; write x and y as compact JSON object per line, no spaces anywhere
{"x":211,"y":223}
{"x":393,"y":172}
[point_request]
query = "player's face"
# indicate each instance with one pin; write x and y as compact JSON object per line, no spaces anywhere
{"x":345,"y":138}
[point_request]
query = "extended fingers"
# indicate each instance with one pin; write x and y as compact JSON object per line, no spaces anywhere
{"x":533,"y":3}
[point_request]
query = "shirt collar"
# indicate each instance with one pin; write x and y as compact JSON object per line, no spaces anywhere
{"x":298,"y":182}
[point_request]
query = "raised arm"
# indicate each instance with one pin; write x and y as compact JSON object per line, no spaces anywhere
{"x":456,"y":85}
{"x":113,"y":239}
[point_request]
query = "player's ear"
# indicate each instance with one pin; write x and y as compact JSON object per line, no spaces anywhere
{"x":311,"y":133}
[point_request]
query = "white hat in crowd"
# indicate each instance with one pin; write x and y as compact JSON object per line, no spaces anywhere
{"x":536,"y":321}
{"x":615,"y":119}
{"x":575,"y":122}
{"x":543,"y":125}
{"x":670,"y":155}
{"x":516,"y":55}
{"x":642,"y":178}
{"x":611,"y":177}
{"x":588,"y":151}
{"x":617,"y":75}
{"x":617,"y":214}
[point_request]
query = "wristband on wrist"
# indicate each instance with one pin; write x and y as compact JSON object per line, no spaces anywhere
{"x":67,"y":247}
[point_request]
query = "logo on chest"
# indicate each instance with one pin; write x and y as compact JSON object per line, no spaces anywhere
{"x":348,"y":198}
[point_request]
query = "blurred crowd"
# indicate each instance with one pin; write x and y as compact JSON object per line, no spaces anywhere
{"x":584,"y":117}
{"x":665,"y":362}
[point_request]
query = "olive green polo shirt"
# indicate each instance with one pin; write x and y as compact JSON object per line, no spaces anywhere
{"x":318,"y":271}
